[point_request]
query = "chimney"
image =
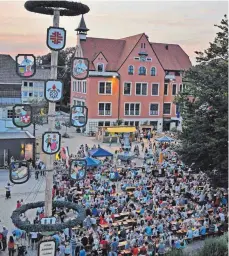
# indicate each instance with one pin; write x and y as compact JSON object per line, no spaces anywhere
{"x":166,"y":47}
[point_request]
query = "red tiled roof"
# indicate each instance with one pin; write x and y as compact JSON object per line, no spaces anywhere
{"x":116,"y":52}
{"x":173,"y":58}
{"x":111,"y":49}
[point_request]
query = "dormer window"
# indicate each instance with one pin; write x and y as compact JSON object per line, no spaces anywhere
{"x":131,"y":70}
{"x":153,"y":71}
{"x":142,"y":71}
{"x":100,"y":67}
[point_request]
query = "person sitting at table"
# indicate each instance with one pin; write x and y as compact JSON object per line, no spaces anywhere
{"x":177,"y":244}
{"x":127,"y":245}
{"x":196,"y":232}
{"x":148,"y":230}
{"x":202,"y":230}
{"x":161,"y":248}
{"x":189,"y":233}
{"x":135,"y":251}
{"x":123,"y":233}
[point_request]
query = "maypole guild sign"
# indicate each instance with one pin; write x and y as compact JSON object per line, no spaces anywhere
{"x":25,"y":65}
{"x":56,"y":38}
{"x":53,"y":90}
{"x":80,"y":68}
{"x":47,"y":248}
{"x":51,"y":142}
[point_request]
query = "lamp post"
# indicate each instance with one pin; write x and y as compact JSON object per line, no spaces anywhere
{"x":57,"y":9}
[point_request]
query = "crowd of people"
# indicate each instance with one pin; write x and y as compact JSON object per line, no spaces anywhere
{"x":142,"y":207}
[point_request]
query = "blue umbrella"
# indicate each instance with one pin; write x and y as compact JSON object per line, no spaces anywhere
{"x":165,"y":139}
{"x":92,"y":162}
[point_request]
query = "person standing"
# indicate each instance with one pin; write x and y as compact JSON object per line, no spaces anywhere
{"x":4,"y":238}
{"x":11,"y":245}
{"x":8,"y":190}
{"x":73,"y":245}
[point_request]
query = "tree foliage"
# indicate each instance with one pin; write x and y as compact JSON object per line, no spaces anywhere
{"x":205,"y":114}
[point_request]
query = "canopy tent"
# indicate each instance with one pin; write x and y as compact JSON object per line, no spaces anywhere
{"x":99,"y":152}
{"x":91,"y":162}
{"x":121,"y":129}
{"x":165,"y":139}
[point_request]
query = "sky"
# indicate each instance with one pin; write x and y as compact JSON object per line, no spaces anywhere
{"x":187,"y":23}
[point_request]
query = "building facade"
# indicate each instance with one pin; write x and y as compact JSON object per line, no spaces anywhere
{"x":130,"y":79}
{"x":17,"y":90}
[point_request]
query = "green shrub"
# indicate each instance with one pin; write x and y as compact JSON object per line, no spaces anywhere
{"x":215,"y":247}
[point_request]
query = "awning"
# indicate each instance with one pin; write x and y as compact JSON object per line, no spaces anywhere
{"x":121,"y":129}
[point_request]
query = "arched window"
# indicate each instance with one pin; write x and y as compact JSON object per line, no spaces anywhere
{"x":153,"y":71}
{"x":131,"y":70}
{"x":142,"y":71}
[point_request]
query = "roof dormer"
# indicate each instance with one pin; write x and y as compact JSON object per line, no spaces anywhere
{"x":100,"y":62}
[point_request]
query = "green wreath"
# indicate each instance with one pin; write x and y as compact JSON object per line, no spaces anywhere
{"x":66,"y":8}
{"x":23,"y":225}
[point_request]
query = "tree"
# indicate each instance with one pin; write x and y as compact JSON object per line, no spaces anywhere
{"x":205,"y":114}
{"x":64,"y":59}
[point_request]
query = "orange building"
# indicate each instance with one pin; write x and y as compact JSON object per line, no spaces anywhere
{"x":130,"y":79}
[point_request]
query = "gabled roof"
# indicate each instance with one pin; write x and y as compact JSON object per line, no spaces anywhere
{"x":8,"y":70}
{"x":111,"y":49}
{"x":8,"y":73}
{"x":171,"y":56}
{"x":116,"y":51}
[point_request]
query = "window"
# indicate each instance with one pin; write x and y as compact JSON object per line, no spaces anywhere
{"x":184,"y":87}
{"x":104,"y":109}
{"x":79,"y":88}
{"x":143,"y":45}
{"x":136,"y":123}
{"x":126,"y":123}
{"x":25,"y":94}
{"x":166,"y":109}
{"x":132,"y":109}
{"x":136,"y":58}
{"x":84,"y":87}
{"x":25,"y":84}
{"x":154,"y":109}
{"x":30,"y":84}
{"x":105,"y":88}
{"x":142,"y":71}
{"x":35,"y":94}
{"x":100,"y":67}
{"x":148,"y":59}
{"x":155,"y":89}
{"x":131,"y":123}
{"x":10,"y":113}
{"x":127,"y":89}
{"x":165,"y":89}
{"x":153,"y":71}
{"x":131,"y":70}
{"x":141,"y":89}
{"x":74,"y":86}
{"x":100,"y":123}
{"x":174,"y":89}
{"x":107,"y":123}
{"x":181,"y":87}
{"x":177,"y":108}
{"x":30,"y":94}
{"x":177,"y":73}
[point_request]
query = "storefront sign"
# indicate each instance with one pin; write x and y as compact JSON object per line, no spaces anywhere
{"x":47,"y":248}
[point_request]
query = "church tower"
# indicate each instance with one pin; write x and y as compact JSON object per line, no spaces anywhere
{"x":81,"y":36}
